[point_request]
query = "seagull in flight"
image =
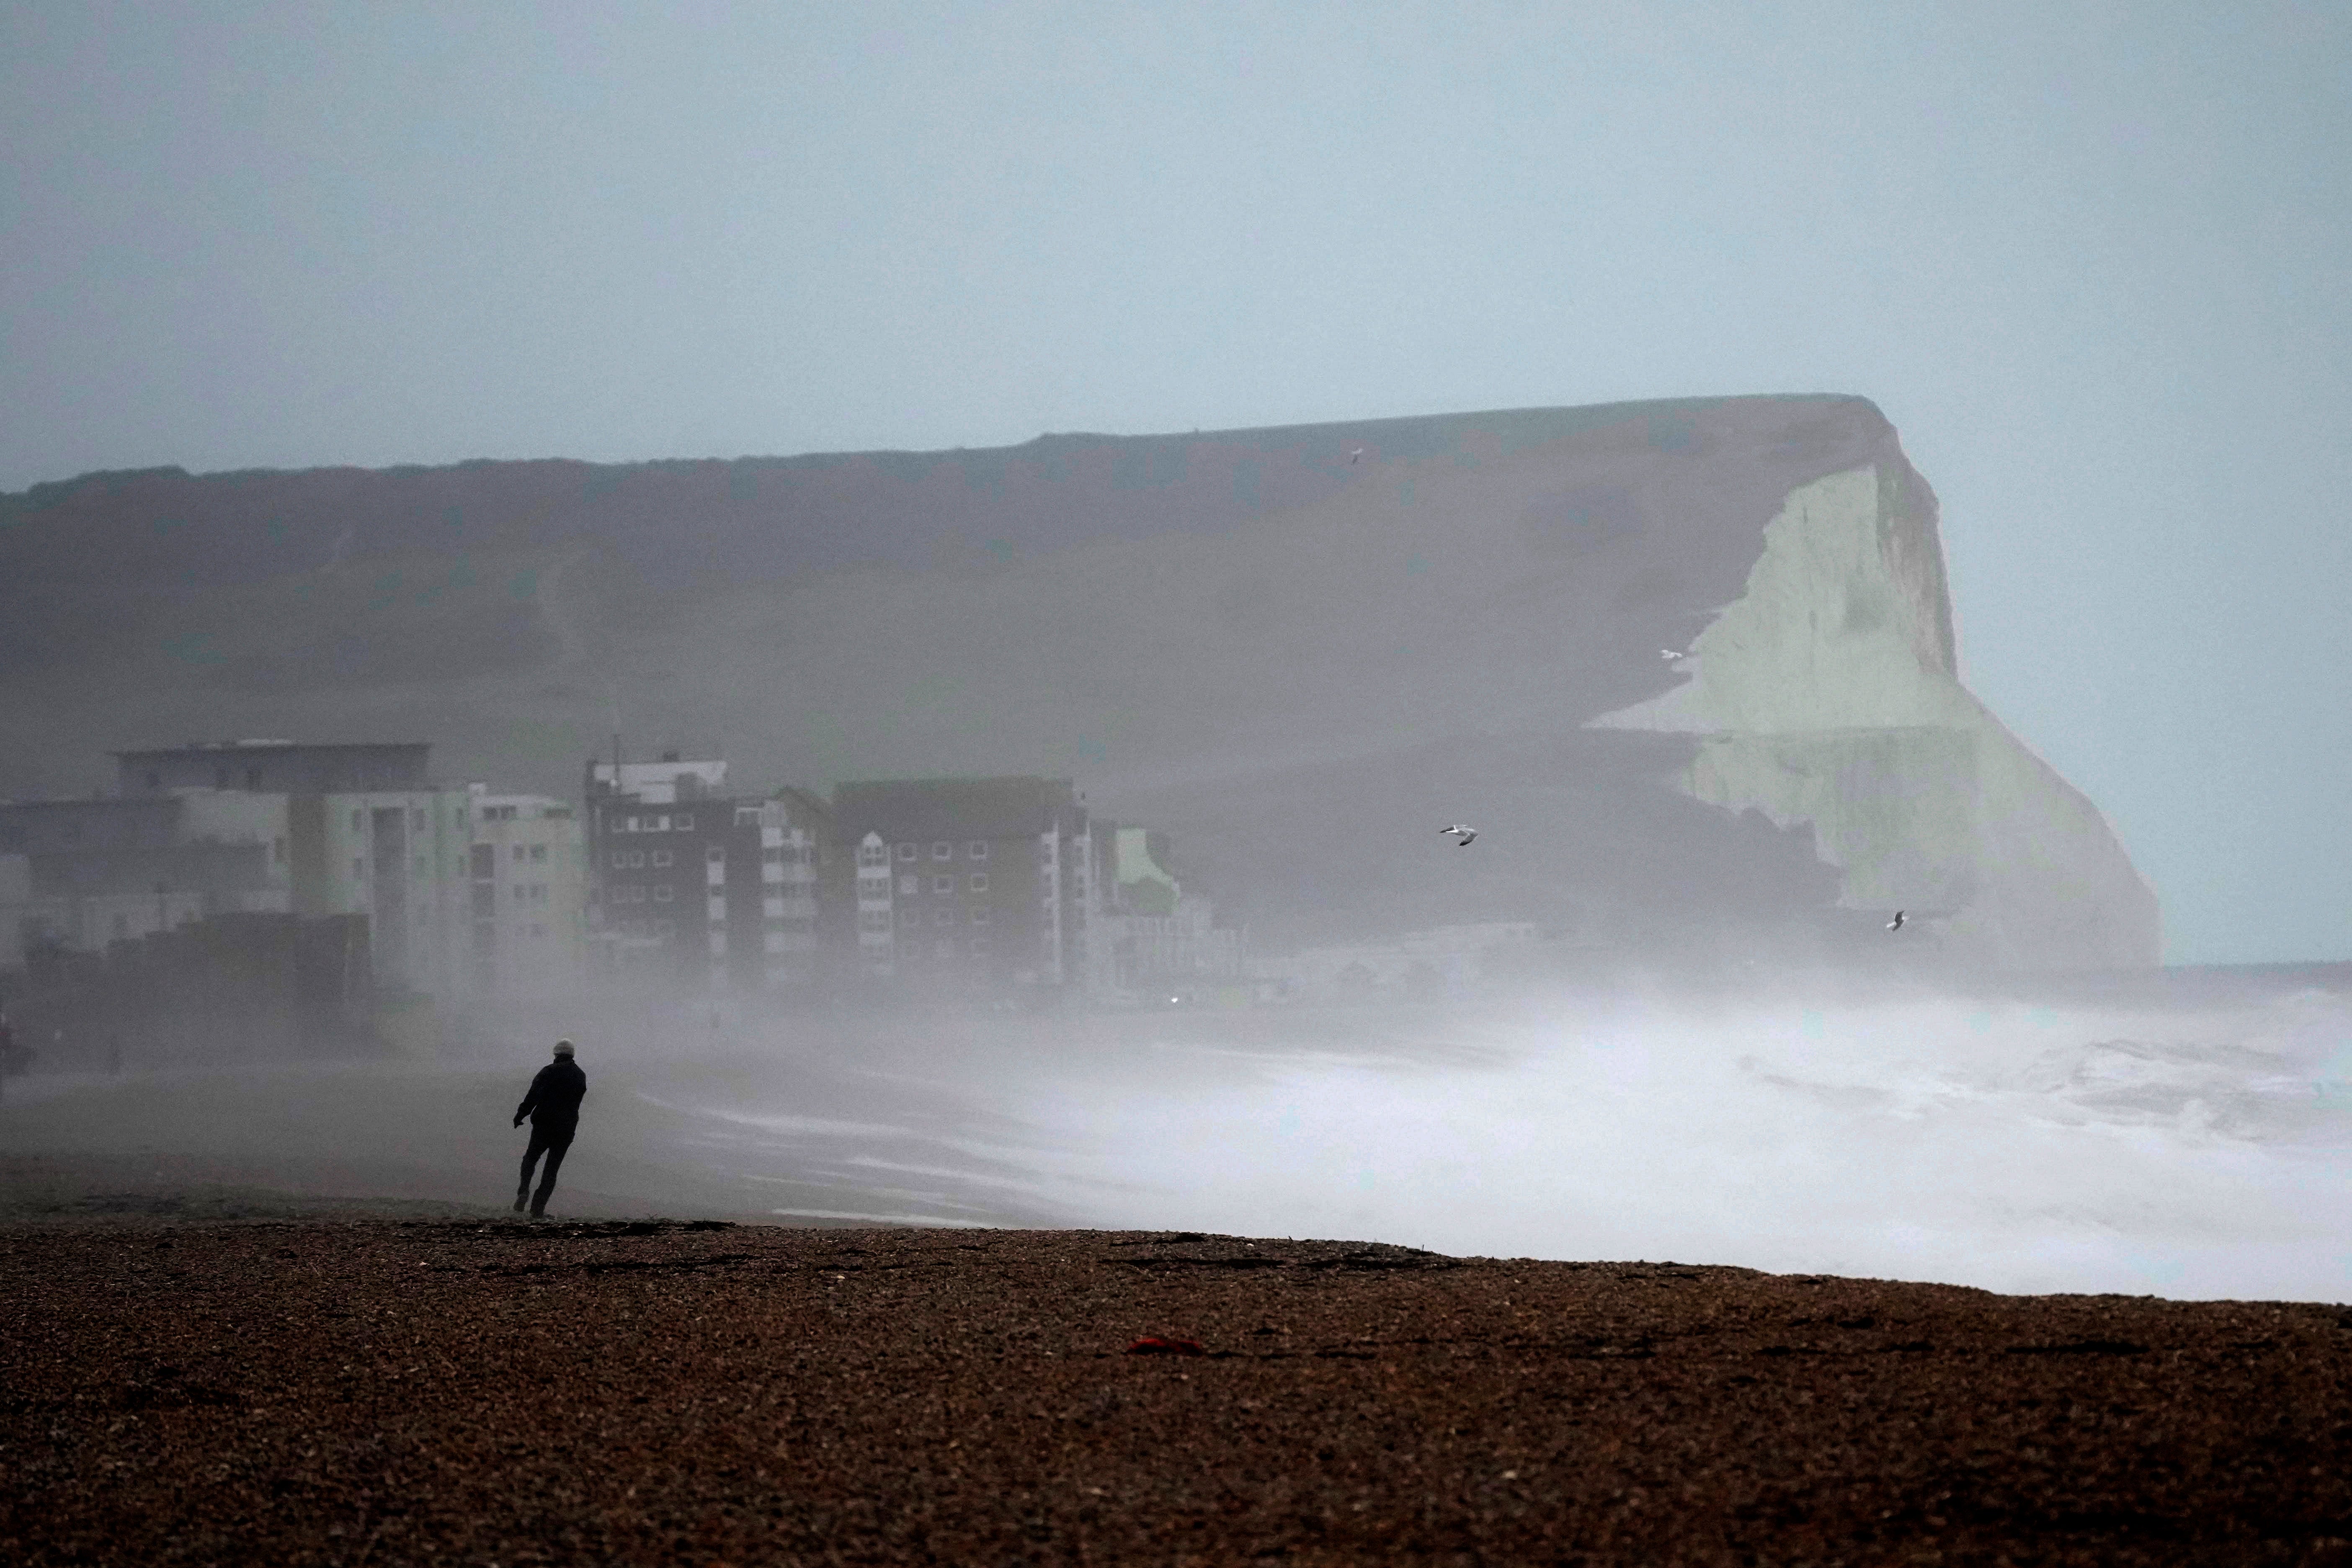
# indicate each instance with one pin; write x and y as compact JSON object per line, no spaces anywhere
{"x":1896,"y":923}
{"x":1357,"y":456}
{"x":1462,"y":834}
{"x":1670,"y":653}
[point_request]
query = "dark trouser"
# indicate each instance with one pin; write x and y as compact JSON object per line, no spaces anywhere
{"x":550,"y":1140}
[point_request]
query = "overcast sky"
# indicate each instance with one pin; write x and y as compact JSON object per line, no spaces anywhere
{"x":2094,"y":260}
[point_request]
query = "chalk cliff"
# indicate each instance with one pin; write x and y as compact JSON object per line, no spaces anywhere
{"x":1827,"y":695}
{"x":1299,"y":650}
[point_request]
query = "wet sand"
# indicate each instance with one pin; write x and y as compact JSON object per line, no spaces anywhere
{"x":374,"y":1391}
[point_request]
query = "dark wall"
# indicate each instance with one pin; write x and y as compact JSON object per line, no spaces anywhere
{"x":236,"y":987}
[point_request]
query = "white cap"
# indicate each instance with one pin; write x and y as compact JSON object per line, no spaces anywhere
{"x":563,"y":1048}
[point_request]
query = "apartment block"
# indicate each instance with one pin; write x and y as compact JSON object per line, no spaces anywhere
{"x":956,"y":883}
{"x":356,"y":829}
{"x":693,"y":887}
{"x":527,"y":896}
{"x":103,"y":869}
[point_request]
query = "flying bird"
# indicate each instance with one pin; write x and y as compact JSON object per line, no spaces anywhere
{"x":1357,"y":456}
{"x":1462,"y":834}
{"x":1670,"y":653}
{"x":1896,"y":923}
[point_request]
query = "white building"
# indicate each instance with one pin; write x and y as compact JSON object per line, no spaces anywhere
{"x":335,"y":830}
{"x":527,"y":896}
{"x":402,"y":858}
{"x":101,"y":869}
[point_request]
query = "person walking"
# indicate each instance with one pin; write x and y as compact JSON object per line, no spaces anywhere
{"x":553,"y":1107}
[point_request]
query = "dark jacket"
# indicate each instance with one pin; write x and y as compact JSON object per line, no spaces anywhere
{"x":555,"y":1096}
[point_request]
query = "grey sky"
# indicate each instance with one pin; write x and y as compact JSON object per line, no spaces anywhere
{"x":2094,"y":261}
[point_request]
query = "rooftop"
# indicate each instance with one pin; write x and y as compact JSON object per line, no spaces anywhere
{"x":951,"y":807}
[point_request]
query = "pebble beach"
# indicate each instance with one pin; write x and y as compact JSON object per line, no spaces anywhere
{"x":474,"y":1390}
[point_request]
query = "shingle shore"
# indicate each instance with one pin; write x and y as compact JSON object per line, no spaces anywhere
{"x":379,"y":1393}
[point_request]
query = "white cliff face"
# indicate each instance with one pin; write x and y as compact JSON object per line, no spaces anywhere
{"x":1827,"y":696}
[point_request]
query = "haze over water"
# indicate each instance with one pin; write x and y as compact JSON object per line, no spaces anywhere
{"x":2192,"y":1151}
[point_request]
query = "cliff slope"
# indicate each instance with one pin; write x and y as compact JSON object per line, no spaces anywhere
{"x":1301,"y":650}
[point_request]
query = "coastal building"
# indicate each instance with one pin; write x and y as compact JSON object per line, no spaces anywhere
{"x":958,"y":883}
{"x":1156,"y":939}
{"x":690,"y":886}
{"x":403,"y":859}
{"x":103,"y":869}
{"x":526,"y":895}
{"x":257,"y":827}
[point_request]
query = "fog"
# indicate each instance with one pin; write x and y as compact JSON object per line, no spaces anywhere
{"x":2171,"y":1142}
{"x":2016,"y":1147}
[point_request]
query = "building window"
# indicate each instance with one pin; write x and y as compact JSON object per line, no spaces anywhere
{"x":665,"y":928}
{"x":979,"y":881}
{"x":979,"y":945}
{"x":253,"y":778}
{"x":874,"y":920}
{"x":980,"y":914}
{"x":539,"y":851}
{"x":664,"y":893}
{"x":220,"y":778}
{"x":522,"y":894}
{"x":908,"y":851}
{"x":620,"y":858}
{"x":977,"y":849}
{"x":910,"y":916}
{"x":943,"y":916}
{"x":716,"y":855}
{"x":873,"y":854}
{"x":661,"y":858}
{"x":636,"y":856}
{"x":539,"y":931}
{"x":944,"y":883}
{"x":519,"y":852}
{"x":685,"y":822}
{"x":538,"y":892}
{"x":943,"y":850}
{"x":359,"y":868}
{"x":910,"y":883}
{"x":355,"y":822}
{"x":771,"y":855}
